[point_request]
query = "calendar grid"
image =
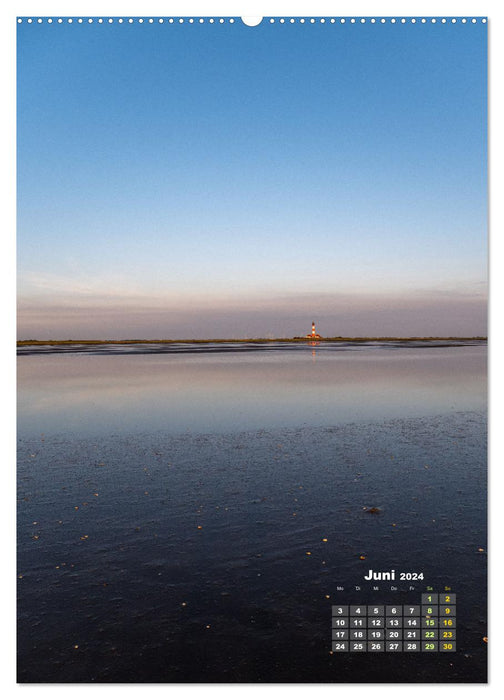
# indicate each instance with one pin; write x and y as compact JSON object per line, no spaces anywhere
{"x":429,"y":626}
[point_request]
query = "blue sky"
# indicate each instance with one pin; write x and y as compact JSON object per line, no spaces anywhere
{"x":227,"y":181}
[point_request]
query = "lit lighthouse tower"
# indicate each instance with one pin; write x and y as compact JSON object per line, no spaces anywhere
{"x":313,"y":335}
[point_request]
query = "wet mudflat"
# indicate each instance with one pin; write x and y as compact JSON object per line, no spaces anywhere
{"x":214,"y":556}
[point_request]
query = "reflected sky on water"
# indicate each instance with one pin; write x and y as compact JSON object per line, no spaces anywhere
{"x":204,"y":392}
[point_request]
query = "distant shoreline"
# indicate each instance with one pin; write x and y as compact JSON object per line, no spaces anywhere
{"x":339,"y":339}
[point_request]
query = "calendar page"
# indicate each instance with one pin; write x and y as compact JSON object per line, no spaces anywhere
{"x":252,"y":349}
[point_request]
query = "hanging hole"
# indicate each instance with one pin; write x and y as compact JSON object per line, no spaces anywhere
{"x":251,"y":21}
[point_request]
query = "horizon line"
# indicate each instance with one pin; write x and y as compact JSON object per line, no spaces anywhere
{"x":33,"y":341}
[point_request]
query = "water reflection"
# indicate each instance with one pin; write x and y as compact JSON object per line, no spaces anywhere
{"x":313,"y":344}
{"x":237,"y":391}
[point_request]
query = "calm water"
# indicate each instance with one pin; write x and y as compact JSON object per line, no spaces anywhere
{"x":167,"y":502}
{"x":226,"y":389}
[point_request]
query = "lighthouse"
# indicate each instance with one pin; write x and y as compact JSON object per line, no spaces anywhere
{"x":313,"y":335}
